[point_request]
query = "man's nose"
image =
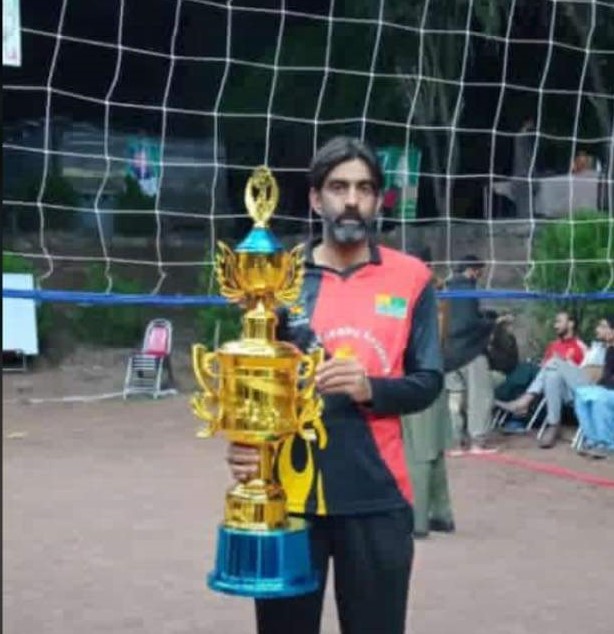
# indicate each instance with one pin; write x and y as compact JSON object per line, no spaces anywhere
{"x":352,"y":196}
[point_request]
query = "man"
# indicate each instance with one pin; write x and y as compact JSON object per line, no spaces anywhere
{"x":595,"y":403}
{"x":427,"y":435}
{"x":468,"y":379}
{"x":522,"y":186}
{"x":567,"y":345}
{"x":566,"y":365}
{"x":511,"y":375}
{"x":374,"y":311}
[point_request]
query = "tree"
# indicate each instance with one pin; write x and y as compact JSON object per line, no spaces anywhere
{"x":441,"y":49}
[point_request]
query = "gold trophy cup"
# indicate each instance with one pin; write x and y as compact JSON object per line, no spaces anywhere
{"x":259,"y":391}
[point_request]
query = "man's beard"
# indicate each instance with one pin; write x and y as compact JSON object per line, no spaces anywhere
{"x":348,"y":228}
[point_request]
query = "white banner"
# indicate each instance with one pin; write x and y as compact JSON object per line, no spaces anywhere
{"x":11,"y":33}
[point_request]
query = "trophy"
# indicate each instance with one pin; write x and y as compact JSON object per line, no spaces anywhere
{"x":258,"y":391}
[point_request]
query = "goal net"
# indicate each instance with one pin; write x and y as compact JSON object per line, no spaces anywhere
{"x":131,"y":127}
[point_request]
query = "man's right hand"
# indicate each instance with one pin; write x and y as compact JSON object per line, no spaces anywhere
{"x":244,"y":461}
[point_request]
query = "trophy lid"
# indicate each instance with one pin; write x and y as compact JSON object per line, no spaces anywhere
{"x":259,"y":240}
{"x":261,"y":198}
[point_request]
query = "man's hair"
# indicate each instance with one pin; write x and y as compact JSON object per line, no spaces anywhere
{"x":339,"y":150}
{"x":571,"y":316}
{"x":610,"y":320}
{"x":470,"y":262}
{"x":425,"y":254}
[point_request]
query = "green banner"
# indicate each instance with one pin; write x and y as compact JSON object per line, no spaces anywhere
{"x":401,"y":176}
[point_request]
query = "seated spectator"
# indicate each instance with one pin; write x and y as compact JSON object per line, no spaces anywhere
{"x":594,"y":405}
{"x":512,"y":376}
{"x":565,"y":367}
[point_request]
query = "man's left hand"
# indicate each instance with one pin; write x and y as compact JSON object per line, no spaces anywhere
{"x":344,"y":376}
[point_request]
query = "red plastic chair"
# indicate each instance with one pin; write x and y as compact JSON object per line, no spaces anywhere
{"x":148,"y":367}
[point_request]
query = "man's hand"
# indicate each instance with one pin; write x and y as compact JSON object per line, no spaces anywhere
{"x":505,"y":318}
{"x":344,"y":376}
{"x":244,"y":461}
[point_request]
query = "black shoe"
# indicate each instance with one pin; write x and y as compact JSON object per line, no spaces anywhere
{"x":421,"y":534}
{"x":549,"y":437}
{"x":442,"y":526}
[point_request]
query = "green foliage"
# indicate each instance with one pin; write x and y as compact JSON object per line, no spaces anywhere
{"x":111,"y":325}
{"x":225,"y":320}
{"x":58,"y":191}
{"x":13,"y":263}
{"x":133,"y":199}
{"x":573,"y":255}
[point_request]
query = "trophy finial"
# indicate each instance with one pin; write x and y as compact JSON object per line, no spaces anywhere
{"x":261,"y":196}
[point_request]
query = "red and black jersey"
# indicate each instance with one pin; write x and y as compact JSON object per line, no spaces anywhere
{"x":384,"y":313}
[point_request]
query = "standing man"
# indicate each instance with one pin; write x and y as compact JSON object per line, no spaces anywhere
{"x":427,"y":435}
{"x":522,"y":185}
{"x":468,"y":378}
{"x":374,"y":311}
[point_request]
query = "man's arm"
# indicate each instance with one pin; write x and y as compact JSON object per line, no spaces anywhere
{"x":423,"y":366}
{"x":607,"y":378}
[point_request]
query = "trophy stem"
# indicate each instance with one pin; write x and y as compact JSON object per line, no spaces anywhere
{"x":267,"y":461}
{"x":260,"y":503}
{"x":260,"y":323}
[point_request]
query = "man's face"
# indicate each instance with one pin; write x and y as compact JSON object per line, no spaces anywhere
{"x":603,"y":332}
{"x":563,"y":326}
{"x":477,"y":274}
{"x":473,"y":273}
{"x":347,"y":202}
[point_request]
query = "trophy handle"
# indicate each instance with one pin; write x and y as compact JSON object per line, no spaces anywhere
{"x":202,"y":364}
{"x":204,"y":407}
{"x":206,"y":403}
{"x":309,"y":404}
{"x":310,"y":363}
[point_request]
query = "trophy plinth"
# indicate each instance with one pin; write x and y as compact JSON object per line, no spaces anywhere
{"x":259,"y":391}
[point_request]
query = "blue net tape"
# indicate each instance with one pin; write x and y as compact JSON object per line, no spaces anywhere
{"x":79,"y":297}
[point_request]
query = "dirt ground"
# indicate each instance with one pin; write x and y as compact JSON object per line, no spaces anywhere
{"x":110,"y":512}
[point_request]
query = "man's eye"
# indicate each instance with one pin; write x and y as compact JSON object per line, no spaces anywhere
{"x":366,"y":188}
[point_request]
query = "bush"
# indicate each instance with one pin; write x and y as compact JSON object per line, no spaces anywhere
{"x":12,"y":263}
{"x":573,"y":255}
{"x":58,"y":191}
{"x":110,"y":325}
{"x":133,"y":199}
{"x":208,"y":317}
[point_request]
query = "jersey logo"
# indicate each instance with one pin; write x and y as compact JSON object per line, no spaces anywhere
{"x":390,"y":306}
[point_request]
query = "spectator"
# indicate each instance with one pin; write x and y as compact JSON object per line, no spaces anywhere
{"x":594,"y":404}
{"x":468,"y":380}
{"x":565,"y":367}
{"x":511,"y":376}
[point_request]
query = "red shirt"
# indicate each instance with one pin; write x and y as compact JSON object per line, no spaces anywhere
{"x":572,"y":349}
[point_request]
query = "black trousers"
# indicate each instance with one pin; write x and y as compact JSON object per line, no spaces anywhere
{"x":372,"y":557}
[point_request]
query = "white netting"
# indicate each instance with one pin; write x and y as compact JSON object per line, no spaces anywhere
{"x":131,"y":127}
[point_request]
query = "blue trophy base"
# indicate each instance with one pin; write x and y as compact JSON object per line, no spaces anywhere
{"x":264,"y":565}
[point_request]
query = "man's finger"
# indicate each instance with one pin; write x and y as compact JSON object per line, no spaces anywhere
{"x":241,"y":454}
{"x":243,"y":473}
{"x":345,"y":370}
{"x":335,"y":363}
{"x":339,"y":384}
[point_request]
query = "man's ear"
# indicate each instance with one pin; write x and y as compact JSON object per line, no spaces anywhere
{"x":315,"y":201}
